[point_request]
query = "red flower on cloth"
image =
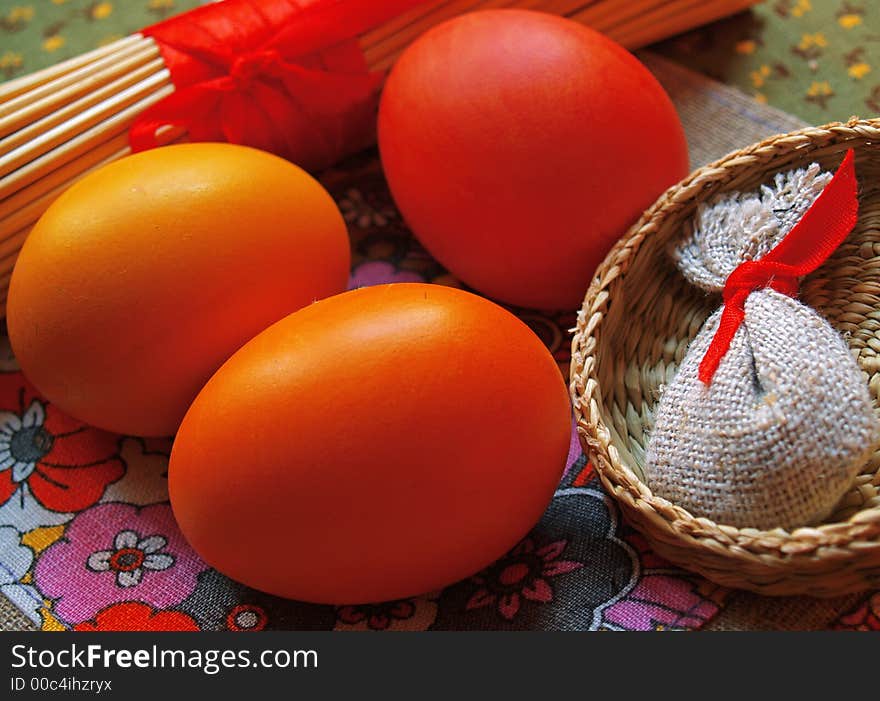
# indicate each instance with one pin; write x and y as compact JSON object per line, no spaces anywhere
{"x":133,"y":615}
{"x":247,"y":618}
{"x":865,"y":617}
{"x":377,"y":616}
{"x":50,"y":458}
{"x":523,"y":573}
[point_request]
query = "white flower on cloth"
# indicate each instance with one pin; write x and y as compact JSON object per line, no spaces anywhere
{"x":130,"y":557}
{"x":23,"y":441}
{"x":15,"y":561}
{"x":51,"y":465}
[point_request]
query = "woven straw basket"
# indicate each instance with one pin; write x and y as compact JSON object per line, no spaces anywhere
{"x":634,"y":328}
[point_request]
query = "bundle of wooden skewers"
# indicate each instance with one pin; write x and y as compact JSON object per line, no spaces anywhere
{"x":58,"y":124}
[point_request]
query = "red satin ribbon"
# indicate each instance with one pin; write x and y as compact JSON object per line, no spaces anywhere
{"x":820,"y":231}
{"x":286,"y":76}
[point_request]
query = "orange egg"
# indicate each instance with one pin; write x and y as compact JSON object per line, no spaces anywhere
{"x":376,"y":445}
{"x":146,"y":275}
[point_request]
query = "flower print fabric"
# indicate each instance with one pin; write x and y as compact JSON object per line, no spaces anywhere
{"x":417,"y":613}
{"x":91,"y":544}
{"x":133,"y":615}
{"x":864,"y":617}
{"x":50,"y":464}
{"x":525,"y":573}
{"x":130,"y":557}
{"x":113,"y":553}
{"x":15,"y":562}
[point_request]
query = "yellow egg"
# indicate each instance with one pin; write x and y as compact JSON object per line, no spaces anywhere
{"x":145,"y":276}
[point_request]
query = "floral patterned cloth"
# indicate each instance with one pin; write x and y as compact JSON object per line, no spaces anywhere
{"x":88,"y":540}
{"x":865,"y":616}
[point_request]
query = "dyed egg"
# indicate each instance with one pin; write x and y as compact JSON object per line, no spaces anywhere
{"x":519,"y":146}
{"x":376,"y":445}
{"x":145,"y":276}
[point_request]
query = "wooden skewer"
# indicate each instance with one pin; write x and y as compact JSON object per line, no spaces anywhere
{"x":395,"y":25}
{"x":37,"y":197}
{"x":652,"y":14}
{"x":537,"y":5}
{"x":695,"y":13}
{"x":382,"y":46}
{"x":84,"y":120}
{"x":566,"y":7}
{"x":602,"y":14}
{"x":382,"y":57}
{"x":378,"y":55}
{"x":374,"y":38}
{"x":27,"y":215}
{"x":427,"y":16}
{"x":25,"y":83}
{"x":62,"y":122}
{"x":64,"y":176}
{"x":117,"y":124}
{"x":76,"y":107}
{"x":17,"y":149}
{"x":11,"y":245}
{"x":37,"y":170}
{"x":39,"y":102}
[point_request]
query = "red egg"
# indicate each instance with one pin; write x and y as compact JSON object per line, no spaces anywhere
{"x":519,"y":146}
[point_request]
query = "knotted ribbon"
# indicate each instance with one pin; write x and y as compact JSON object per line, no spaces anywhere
{"x":819,"y":232}
{"x":286,"y":76}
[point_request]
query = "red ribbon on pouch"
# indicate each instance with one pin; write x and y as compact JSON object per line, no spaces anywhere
{"x":819,"y":232}
{"x":286,"y":76}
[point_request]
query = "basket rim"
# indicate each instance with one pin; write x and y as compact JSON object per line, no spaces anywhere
{"x":860,"y":531}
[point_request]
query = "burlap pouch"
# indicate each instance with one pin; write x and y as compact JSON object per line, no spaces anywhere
{"x":778,"y":435}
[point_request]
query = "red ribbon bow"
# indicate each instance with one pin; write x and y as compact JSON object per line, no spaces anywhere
{"x":286,"y":76}
{"x":819,"y":232}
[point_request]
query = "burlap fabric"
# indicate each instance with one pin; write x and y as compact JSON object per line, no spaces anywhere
{"x":780,"y":433}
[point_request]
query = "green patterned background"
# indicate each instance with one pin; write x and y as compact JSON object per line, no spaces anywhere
{"x":818,"y":59}
{"x":37,"y":34}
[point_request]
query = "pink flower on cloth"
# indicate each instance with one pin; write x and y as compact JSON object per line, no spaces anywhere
{"x":114,"y":553}
{"x":379,"y":272}
{"x":131,"y":556}
{"x":662,"y":602}
{"x":524,"y":573}
{"x":664,"y":598}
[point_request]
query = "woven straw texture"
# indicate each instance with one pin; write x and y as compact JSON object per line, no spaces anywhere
{"x":637,"y":321}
